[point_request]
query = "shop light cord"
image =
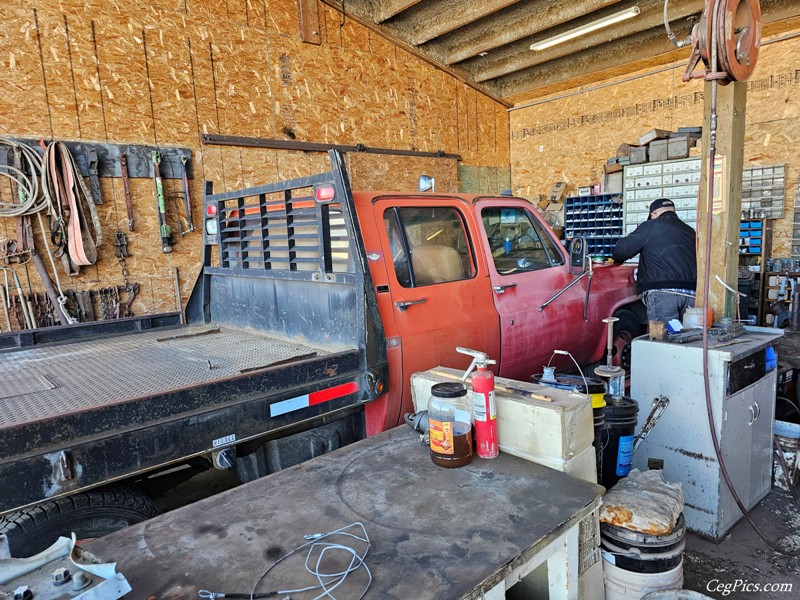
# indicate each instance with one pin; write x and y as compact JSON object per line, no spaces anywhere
{"x":326,"y":582}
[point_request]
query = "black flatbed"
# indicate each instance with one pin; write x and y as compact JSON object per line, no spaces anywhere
{"x":53,"y":381}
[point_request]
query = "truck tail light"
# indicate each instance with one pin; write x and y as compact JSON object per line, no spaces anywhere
{"x":211,"y":210}
{"x":323,"y":194}
{"x":211,"y":227}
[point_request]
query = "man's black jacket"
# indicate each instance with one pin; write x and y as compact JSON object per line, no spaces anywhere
{"x":668,"y":255}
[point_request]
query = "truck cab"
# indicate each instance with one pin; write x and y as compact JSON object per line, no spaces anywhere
{"x":469,"y":270}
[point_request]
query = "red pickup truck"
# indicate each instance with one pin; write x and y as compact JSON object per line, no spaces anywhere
{"x":469,"y":270}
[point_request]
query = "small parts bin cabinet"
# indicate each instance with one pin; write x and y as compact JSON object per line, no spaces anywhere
{"x":598,"y":218}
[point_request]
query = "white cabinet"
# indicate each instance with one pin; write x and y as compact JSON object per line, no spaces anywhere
{"x":743,"y":404}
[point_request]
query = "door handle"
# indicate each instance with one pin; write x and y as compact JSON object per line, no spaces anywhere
{"x":758,"y":410}
{"x":501,"y":289}
{"x":752,"y":415}
{"x":404,"y":304}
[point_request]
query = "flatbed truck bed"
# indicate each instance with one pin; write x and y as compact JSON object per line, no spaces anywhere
{"x":55,"y":381}
{"x":282,"y":348}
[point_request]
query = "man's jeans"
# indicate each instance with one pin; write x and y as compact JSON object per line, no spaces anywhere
{"x":665,"y":305}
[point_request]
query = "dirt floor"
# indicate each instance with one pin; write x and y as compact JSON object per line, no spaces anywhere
{"x":742,"y":565}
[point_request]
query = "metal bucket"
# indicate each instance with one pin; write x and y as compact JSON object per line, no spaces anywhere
{"x":788,"y":436}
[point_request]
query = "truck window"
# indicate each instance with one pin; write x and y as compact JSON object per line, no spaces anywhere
{"x":435,"y":240}
{"x":517,"y":241}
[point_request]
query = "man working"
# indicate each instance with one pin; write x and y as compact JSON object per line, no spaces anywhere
{"x":667,"y":274}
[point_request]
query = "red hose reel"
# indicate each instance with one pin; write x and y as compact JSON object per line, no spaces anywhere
{"x":738,"y":38}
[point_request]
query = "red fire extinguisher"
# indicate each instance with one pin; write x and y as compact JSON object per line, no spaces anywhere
{"x":484,"y":410}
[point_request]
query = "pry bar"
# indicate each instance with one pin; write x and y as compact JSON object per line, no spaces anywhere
{"x":164,"y":228}
{"x":126,"y":185}
{"x":187,"y":199}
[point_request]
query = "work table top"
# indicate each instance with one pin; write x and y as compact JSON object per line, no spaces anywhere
{"x":435,"y":532}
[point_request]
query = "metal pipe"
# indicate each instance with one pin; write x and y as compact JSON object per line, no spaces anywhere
{"x":4,"y":299}
{"x":211,"y":139}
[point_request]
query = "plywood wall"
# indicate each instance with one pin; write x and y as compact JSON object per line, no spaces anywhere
{"x":123,"y":71}
{"x":569,"y":139}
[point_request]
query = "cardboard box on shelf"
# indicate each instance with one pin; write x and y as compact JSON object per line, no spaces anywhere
{"x":654,"y":134}
{"x":638,"y":155}
{"x":678,"y":147}
{"x":625,"y":149}
{"x":557,"y":191}
{"x":612,"y":183}
{"x":658,"y":150}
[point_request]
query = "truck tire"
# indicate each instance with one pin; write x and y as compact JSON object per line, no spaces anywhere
{"x":627,"y":328}
{"x":89,"y":515}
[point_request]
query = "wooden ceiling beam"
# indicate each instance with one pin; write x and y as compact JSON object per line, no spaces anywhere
{"x":383,"y":10}
{"x":649,"y":44}
{"x":518,"y":55}
{"x":623,"y":51}
{"x":437,"y":17}
{"x":519,"y":21}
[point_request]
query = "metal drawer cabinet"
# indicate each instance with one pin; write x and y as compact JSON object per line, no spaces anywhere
{"x":743,"y":404}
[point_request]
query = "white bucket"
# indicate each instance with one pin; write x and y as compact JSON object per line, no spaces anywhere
{"x":676,"y":595}
{"x":629,"y":585}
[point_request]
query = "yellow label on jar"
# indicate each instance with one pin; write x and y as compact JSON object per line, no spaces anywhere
{"x":441,"y":434}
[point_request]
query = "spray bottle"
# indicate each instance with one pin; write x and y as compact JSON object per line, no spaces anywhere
{"x":484,"y":411}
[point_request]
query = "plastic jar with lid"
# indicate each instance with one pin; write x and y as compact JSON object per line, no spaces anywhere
{"x":450,"y":425}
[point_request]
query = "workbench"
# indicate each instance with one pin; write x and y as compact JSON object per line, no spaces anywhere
{"x":471,"y":532}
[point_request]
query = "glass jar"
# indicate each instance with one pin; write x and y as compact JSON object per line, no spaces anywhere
{"x":450,"y":425}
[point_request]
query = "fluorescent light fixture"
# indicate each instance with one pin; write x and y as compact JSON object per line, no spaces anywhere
{"x":588,"y":28}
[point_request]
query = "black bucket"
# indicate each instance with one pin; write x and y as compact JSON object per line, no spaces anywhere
{"x":620,"y":416}
{"x":596,"y":389}
{"x":643,"y":553}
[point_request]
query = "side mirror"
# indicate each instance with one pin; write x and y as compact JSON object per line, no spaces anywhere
{"x":578,"y":256}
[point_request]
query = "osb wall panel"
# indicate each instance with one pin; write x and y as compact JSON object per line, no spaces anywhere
{"x":569,"y":139}
{"x":121,"y":72}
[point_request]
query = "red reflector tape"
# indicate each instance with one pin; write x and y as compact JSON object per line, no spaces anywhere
{"x":331,"y":393}
{"x":299,"y":402}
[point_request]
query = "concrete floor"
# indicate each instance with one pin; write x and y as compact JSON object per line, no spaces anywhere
{"x":744,"y":558}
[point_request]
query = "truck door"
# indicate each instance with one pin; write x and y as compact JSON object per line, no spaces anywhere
{"x":527,"y":265}
{"x":439,"y":283}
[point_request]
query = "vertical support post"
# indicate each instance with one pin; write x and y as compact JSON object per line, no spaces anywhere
{"x":727,"y":201}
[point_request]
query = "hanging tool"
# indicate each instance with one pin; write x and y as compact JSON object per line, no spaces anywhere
{"x":11,"y":256}
{"x":121,"y":245}
{"x":126,"y":185}
{"x":125,"y":307}
{"x":187,"y":199}
{"x":735,"y":43}
{"x":659,"y":405}
{"x":4,"y":301}
{"x":94,"y":181}
{"x":166,"y":241}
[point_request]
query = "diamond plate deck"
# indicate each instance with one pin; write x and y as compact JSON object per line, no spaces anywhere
{"x":93,"y":373}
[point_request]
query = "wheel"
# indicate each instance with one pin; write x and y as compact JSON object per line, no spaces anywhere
{"x":89,"y":515}
{"x":627,"y":328}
